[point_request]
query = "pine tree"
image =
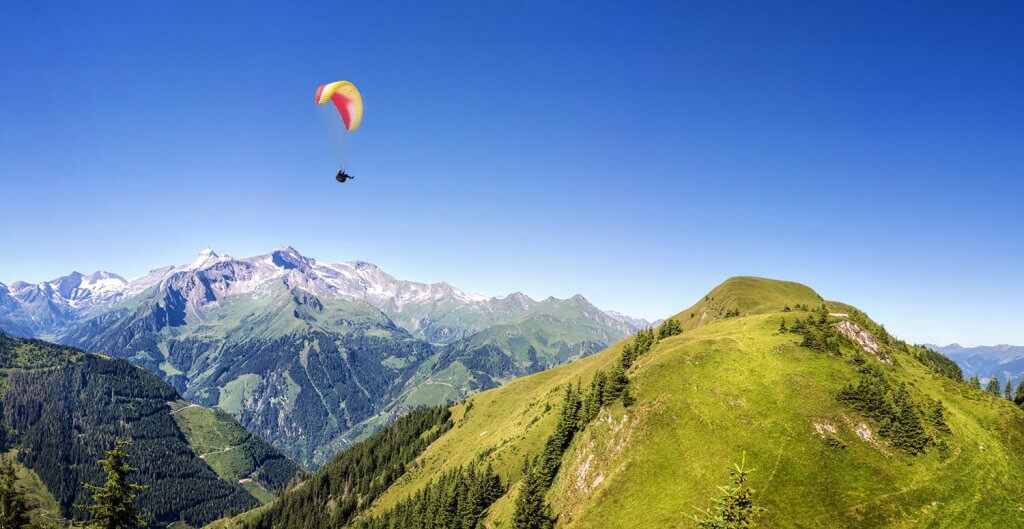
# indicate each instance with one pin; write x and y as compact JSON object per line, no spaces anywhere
{"x":937,"y":416}
{"x":113,"y":503}
{"x":993,"y":387}
{"x":490,"y":485}
{"x":974,"y":382}
{"x":628,"y":356}
{"x":1008,"y":390}
{"x":907,"y":432}
{"x":615,"y":384}
{"x":530,"y":509}
{"x":568,"y":417}
{"x":13,"y":507}
{"x":644,"y":341}
{"x":735,"y":508}
{"x":468,"y":502}
{"x":594,"y":400}
{"x":1018,"y":397}
{"x":669,"y":327}
{"x":627,"y":398}
{"x":565,"y":429}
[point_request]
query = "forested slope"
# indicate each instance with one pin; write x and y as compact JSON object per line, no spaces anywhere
{"x":62,"y":409}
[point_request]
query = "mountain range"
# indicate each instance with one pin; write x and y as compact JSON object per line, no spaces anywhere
{"x":1005,"y":362}
{"x":309,"y":355}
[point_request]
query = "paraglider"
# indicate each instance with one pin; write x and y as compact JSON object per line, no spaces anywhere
{"x":349,"y":103}
{"x":342,"y":176}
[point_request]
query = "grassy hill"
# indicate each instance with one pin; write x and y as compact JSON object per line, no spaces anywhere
{"x":235,"y":454}
{"x":733,"y":381}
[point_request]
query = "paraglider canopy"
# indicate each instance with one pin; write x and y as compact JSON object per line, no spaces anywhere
{"x":349,"y":103}
{"x":346,"y":98}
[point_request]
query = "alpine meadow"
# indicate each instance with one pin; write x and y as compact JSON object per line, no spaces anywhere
{"x":842,"y":424}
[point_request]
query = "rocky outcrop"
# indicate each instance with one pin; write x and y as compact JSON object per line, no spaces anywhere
{"x":863,"y":338}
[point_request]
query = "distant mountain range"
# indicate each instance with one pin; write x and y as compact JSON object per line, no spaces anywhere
{"x":307,"y":354}
{"x":1003,"y":361}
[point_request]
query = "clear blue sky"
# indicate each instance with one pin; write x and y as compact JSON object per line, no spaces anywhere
{"x":636,"y":155}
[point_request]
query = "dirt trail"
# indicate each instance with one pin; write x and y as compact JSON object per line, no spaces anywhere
{"x":221,"y":451}
{"x":191,"y":405}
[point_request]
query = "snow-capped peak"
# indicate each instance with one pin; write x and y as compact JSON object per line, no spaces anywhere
{"x":636,"y":323}
{"x":220,"y":276}
{"x":103,"y":283}
{"x":74,"y":291}
{"x":287,"y":257}
{"x":288,"y":250}
{"x":205,"y":258}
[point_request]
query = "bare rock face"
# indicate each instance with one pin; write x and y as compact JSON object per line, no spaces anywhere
{"x":862,"y":338}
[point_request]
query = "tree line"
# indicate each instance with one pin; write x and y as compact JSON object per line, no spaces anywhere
{"x":910,"y":424}
{"x":355,"y":477}
{"x":994,"y":387}
{"x":456,"y":499}
{"x":578,"y":409}
{"x":817,"y":333}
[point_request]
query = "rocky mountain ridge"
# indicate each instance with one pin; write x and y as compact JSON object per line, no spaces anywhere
{"x":311,"y":356}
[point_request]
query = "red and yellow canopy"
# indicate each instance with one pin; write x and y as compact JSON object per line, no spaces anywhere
{"x":346,"y":98}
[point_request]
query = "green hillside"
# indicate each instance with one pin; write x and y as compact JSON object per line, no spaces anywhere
{"x":549,"y":333}
{"x":845,"y":425}
{"x":232,"y":452}
{"x":61,"y":409}
{"x":44,"y":507}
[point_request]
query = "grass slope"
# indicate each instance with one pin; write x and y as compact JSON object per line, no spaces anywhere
{"x":44,"y":506}
{"x":729,"y":385}
{"x":235,"y":454}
